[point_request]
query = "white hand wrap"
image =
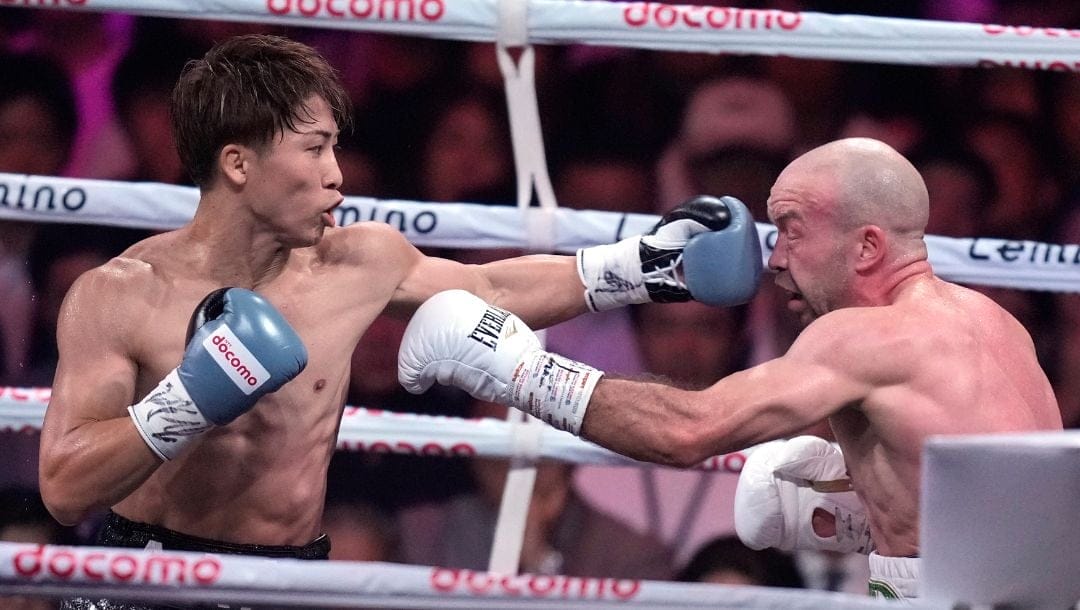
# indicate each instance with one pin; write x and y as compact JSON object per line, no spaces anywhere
{"x":612,"y":275}
{"x":457,"y":339}
{"x":167,"y":419}
{"x":775,"y":499}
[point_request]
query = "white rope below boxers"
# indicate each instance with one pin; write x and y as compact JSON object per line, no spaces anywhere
{"x":163,"y":576}
{"x":377,"y":431}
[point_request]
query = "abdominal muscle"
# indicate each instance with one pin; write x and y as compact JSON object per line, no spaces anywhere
{"x":259,"y":480}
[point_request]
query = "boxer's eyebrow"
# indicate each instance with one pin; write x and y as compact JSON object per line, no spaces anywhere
{"x":325,"y":133}
{"x":784,"y":216}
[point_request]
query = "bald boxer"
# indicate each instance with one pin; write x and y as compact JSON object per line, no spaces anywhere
{"x":202,"y":373}
{"x":890,"y":354}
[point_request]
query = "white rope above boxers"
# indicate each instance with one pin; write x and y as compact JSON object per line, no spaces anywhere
{"x":377,"y":431}
{"x":1025,"y":265}
{"x":162,"y":576}
{"x":653,"y":25}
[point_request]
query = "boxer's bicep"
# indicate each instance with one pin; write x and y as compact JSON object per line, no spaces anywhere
{"x":541,"y":289}
{"x":95,"y":373}
{"x":89,"y":447}
{"x":772,"y":400}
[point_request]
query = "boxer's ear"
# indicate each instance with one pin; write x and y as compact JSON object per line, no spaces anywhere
{"x":872,"y":247}
{"x":233,"y":160}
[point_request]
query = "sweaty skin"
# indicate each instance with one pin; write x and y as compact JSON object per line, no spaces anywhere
{"x":890,"y":355}
{"x":260,"y":479}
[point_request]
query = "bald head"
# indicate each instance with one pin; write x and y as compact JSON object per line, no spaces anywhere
{"x":873,"y":184}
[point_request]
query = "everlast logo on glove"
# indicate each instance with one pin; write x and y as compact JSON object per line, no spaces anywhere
{"x":236,"y":360}
{"x":490,"y":326}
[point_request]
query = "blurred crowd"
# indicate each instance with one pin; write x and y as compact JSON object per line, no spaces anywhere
{"x":86,"y":95}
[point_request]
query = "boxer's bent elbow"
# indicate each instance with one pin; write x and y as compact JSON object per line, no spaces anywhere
{"x":58,"y":493}
{"x":65,"y":507}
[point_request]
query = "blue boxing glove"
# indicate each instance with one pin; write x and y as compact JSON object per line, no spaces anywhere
{"x":656,"y":266}
{"x":239,"y":349}
{"x":723,"y":268}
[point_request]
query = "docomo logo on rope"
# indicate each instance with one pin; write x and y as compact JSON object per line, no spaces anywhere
{"x":42,"y":2}
{"x":407,"y":448}
{"x":39,"y":395}
{"x":235,"y":359}
{"x":1026,"y":30}
{"x":79,"y":565}
{"x":1060,"y":65}
{"x":732,"y":462}
{"x":640,"y":14}
{"x":393,"y":10}
{"x":446,"y":580}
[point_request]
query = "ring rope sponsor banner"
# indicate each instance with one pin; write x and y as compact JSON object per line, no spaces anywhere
{"x":377,"y":431}
{"x":1025,"y":265}
{"x":652,"y":25}
{"x":164,"y":576}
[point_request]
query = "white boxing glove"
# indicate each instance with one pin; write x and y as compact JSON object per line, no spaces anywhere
{"x":781,"y":484}
{"x":457,"y":339}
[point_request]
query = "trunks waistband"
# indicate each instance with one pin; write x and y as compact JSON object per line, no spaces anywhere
{"x":123,"y":532}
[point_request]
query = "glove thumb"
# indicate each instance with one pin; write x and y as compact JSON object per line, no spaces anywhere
{"x":810,"y":458}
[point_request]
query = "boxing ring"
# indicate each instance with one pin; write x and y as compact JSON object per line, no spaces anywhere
{"x":161,"y":576}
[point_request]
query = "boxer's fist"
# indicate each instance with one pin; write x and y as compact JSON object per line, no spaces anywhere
{"x":776,"y":497}
{"x":457,"y":339}
{"x":239,"y":348}
{"x":706,"y":249}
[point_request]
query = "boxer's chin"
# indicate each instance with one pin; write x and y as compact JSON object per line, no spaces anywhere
{"x":798,"y":306}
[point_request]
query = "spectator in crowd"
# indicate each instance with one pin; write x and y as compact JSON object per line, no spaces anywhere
{"x":141,"y":89}
{"x":681,"y":507}
{"x":467,"y":154}
{"x":960,"y":184}
{"x":88,"y":46}
{"x":726,"y":560}
{"x":38,"y":121}
{"x":1028,"y":192}
{"x":735,"y":136}
{"x":360,"y":531}
{"x":564,"y":534}
{"x":609,"y":182}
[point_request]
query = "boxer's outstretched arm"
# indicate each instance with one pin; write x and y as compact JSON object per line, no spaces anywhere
{"x":542,"y":289}
{"x":656,"y":422}
{"x":661,"y":266}
{"x":91,"y":454}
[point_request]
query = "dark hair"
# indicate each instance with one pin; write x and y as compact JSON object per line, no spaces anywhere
{"x":247,"y":90}
{"x":767,"y":567}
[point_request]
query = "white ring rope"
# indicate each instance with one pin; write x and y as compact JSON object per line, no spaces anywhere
{"x":378,"y":431}
{"x":163,"y":576}
{"x":652,"y":25}
{"x":1025,"y":265}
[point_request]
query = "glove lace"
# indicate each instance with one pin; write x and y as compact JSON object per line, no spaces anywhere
{"x":665,"y":274}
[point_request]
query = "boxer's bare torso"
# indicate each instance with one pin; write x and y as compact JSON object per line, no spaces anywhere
{"x":261,"y":478}
{"x":941,"y":359}
{"x":938,"y":359}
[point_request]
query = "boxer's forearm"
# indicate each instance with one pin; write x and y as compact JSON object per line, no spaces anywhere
{"x":541,"y":289}
{"x":647,"y":421}
{"x":93,"y":467}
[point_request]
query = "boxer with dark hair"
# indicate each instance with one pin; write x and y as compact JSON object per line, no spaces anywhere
{"x":212,"y":431}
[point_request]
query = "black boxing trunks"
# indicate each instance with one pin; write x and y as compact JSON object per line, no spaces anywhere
{"x":117,"y":531}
